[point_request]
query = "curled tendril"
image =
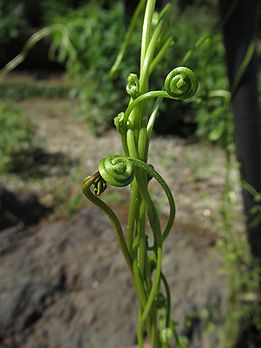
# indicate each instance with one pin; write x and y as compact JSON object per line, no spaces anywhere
{"x":165,"y":336}
{"x":181,"y":83}
{"x":99,"y":186}
{"x":118,"y":121}
{"x":133,"y":85}
{"x":116,"y":170}
{"x":96,"y":182}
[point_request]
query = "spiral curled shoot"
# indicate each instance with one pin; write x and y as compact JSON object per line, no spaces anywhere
{"x":165,"y":336}
{"x":116,"y":170}
{"x":133,"y":85}
{"x":118,"y":121}
{"x":99,"y":186}
{"x":181,"y":83}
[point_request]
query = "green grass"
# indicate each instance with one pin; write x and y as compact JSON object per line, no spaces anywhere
{"x":17,"y":138}
{"x":17,"y":90}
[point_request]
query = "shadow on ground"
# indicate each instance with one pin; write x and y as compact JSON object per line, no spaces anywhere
{"x":39,"y":163}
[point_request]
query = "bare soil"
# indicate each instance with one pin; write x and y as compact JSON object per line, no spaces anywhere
{"x":64,"y":282}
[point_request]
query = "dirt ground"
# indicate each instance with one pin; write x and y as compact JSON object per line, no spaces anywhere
{"x":78,"y":292}
{"x":195,"y":172}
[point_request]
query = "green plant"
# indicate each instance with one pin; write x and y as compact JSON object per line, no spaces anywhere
{"x":242,"y":271}
{"x":11,"y":20}
{"x":255,"y":211}
{"x":16,"y":138}
{"x":52,"y":9}
{"x":243,"y":275}
{"x":88,"y":27}
{"x":206,"y":56}
{"x":88,"y":69}
{"x":73,"y":203}
{"x":142,"y":250}
{"x":203,"y":115}
{"x":17,"y":90}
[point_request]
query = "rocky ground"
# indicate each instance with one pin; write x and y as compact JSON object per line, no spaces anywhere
{"x":63,"y":280}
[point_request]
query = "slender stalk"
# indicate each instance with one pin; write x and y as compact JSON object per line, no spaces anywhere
{"x":135,"y":127}
{"x":168,"y":296}
{"x":145,"y":97}
{"x":128,"y":35}
{"x":133,"y":208}
{"x":87,"y":183}
{"x":142,"y":241}
{"x":146,"y":31}
{"x":140,"y":330}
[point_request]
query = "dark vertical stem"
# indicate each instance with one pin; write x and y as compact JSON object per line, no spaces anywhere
{"x":238,"y":31}
{"x":238,"y":35}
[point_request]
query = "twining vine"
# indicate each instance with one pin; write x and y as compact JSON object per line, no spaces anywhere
{"x":135,"y":125}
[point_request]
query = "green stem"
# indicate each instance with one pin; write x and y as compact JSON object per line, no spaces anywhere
{"x":146,"y":30}
{"x":132,"y":263}
{"x":131,"y":143}
{"x":86,"y":189}
{"x":165,"y":187}
{"x":155,"y":286}
{"x":157,"y":39}
{"x":140,"y":330}
{"x":168,"y":296}
{"x":139,"y":283}
{"x":160,"y":54}
{"x":142,"y":144}
{"x":34,"y":39}
{"x":134,"y":199}
{"x":127,"y":38}
{"x":135,"y":128}
{"x":155,"y":225}
{"x":149,"y":57}
{"x":134,"y":215}
{"x":152,"y":118}
{"x":144,"y":97}
{"x":142,"y":239}
{"x":154,"y":221}
{"x":133,"y":208}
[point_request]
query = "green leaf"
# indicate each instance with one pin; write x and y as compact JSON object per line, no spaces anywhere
{"x":217,"y":132}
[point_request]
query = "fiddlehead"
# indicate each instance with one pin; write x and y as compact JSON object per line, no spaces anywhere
{"x":99,"y":186}
{"x":181,"y":83}
{"x":116,"y":170}
{"x":118,"y":121}
{"x":119,"y":171}
{"x":133,"y":85}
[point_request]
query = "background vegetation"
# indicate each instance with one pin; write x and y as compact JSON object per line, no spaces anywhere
{"x":98,"y":25}
{"x":85,"y":50}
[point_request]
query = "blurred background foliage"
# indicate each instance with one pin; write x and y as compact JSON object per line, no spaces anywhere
{"x":17,"y":139}
{"x":12,"y":20}
{"x":93,"y":33}
{"x":85,"y":50}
